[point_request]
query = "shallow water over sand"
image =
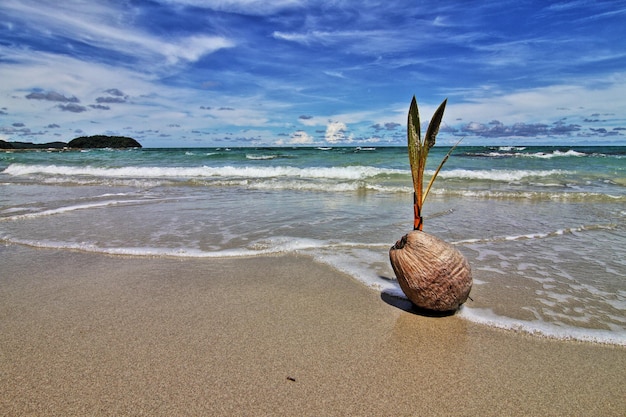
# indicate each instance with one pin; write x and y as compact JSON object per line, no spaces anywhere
{"x":544,"y":229}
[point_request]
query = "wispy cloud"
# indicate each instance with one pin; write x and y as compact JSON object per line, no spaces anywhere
{"x":248,"y":7}
{"x":109,"y":27}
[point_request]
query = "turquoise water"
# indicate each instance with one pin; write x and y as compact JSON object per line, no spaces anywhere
{"x":543,"y":227}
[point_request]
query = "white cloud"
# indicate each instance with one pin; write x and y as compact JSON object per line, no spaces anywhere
{"x":300,"y":137}
{"x":336,"y":132}
{"x":544,"y":104}
{"x":191,"y":48}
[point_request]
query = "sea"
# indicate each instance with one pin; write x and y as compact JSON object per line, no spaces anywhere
{"x":544,"y":228}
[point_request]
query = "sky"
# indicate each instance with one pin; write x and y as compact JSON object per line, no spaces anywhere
{"x":192,"y":73}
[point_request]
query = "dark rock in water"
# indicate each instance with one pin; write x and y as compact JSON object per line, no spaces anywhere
{"x":5,"y":145}
{"x":83,"y":142}
{"x":30,"y":145}
{"x":433,"y":274}
{"x":101,"y":141}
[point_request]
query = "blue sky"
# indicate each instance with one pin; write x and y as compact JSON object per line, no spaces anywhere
{"x":189,"y":73}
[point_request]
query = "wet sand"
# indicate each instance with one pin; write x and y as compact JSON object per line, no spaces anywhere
{"x":89,"y":334}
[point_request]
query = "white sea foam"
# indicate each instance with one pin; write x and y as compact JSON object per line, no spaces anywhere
{"x":341,"y":173}
{"x":498,"y":174}
{"x":329,"y":186}
{"x":538,"y":235}
{"x":261,"y":157}
{"x":539,"y":327}
{"x":76,"y":207}
{"x":512,"y":151}
{"x":512,"y":148}
{"x":554,"y":154}
{"x":276,"y":246}
{"x":352,"y":263}
{"x":525,"y":195}
{"x":345,"y":173}
{"x":66,"y":209}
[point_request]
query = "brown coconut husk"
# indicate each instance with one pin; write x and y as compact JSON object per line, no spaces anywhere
{"x":433,"y":274}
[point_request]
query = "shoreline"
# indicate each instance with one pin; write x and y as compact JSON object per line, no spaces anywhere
{"x":87,"y":333}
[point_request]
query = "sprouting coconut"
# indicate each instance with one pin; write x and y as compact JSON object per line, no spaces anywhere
{"x":433,"y":274}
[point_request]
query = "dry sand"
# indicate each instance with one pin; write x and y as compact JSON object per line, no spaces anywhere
{"x":87,"y":334}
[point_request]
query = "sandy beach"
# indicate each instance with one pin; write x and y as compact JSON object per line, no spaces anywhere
{"x":90,"y":334}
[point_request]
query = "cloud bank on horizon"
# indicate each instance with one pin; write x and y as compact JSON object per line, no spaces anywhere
{"x":180,"y":73}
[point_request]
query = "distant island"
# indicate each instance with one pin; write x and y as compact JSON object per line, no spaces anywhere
{"x":83,"y":142}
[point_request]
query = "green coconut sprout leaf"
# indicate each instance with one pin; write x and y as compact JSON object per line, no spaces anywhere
{"x":415,"y":144}
{"x":433,"y":126}
{"x":418,"y":152}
